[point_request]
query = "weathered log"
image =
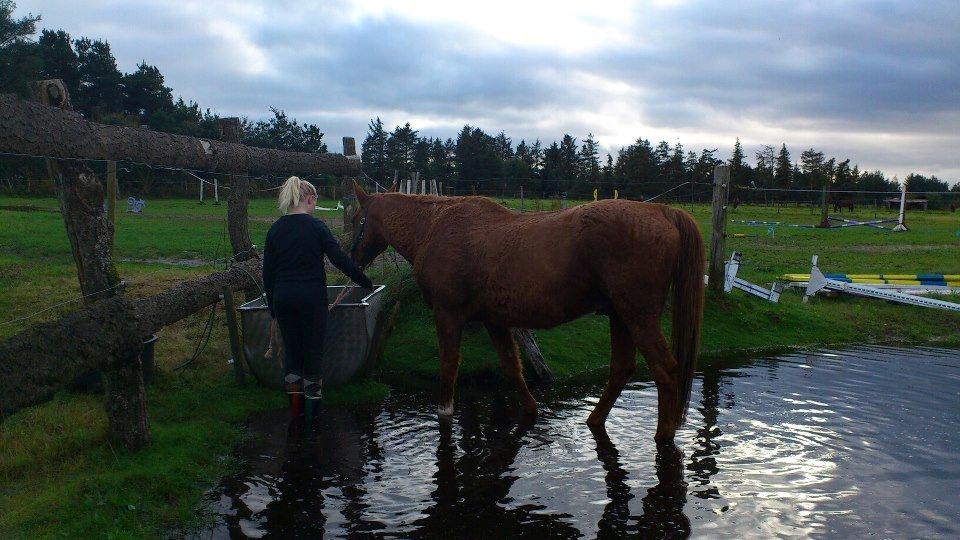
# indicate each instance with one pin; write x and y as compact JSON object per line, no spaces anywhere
{"x":35,"y":129}
{"x":46,"y":357}
{"x":528,"y":344}
{"x":126,"y":401}
{"x":80,"y":194}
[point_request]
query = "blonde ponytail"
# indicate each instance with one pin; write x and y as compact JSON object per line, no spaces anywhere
{"x":292,"y":192}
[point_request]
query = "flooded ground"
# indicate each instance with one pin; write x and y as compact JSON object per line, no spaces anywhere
{"x":853,"y":443}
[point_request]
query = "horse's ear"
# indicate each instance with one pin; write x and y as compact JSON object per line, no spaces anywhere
{"x":359,"y":192}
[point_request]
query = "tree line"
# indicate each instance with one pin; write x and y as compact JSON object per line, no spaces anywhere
{"x":473,"y":162}
{"x":483,"y":163}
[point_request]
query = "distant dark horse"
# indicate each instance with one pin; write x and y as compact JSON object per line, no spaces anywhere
{"x":838,"y":206}
{"x":475,"y":260}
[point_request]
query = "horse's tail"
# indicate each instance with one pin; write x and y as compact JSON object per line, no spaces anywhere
{"x":687,"y":304}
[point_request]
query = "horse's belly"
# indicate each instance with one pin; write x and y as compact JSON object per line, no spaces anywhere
{"x":539,"y":311}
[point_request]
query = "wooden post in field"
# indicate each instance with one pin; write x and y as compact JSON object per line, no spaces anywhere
{"x":528,"y":344}
{"x":81,"y":196}
{"x":824,"y":220}
{"x":112,"y":195}
{"x":349,"y":200}
{"x":721,"y":190}
{"x":349,"y":146}
{"x":233,"y":329}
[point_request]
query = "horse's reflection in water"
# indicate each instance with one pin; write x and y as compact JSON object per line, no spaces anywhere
{"x":662,"y":515}
{"x":474,"y":473}
{"x":471,"y":489}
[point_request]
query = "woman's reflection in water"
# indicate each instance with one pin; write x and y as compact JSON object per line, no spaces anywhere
{"x":330,"y":453}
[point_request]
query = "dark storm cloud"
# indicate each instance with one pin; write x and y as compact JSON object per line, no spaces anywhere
{"x":876,"y":81}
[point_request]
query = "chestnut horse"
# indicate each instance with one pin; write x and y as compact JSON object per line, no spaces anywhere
{"x":475,"y":260}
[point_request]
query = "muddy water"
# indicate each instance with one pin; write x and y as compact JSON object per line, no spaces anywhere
{"x":854,"y":443}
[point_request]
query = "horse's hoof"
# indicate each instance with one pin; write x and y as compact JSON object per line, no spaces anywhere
{"x":530,"y":408}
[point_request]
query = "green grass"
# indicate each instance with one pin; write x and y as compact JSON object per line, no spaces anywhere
{"x":59,"y":476}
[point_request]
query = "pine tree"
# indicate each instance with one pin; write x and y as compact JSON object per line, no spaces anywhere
{"x":766,"y":161}
{"x":399,"y":150}
{"x":284,"y":133}
{"x":60,"y":61}
{"x":662,"y":156}
{"x":19,"y":58}
{"x":145,"y":93}
{"x":476,"y":158}
{"x":677,"y":169}
{"x":736,"y":164}
{"x":503,"y":146}
{"x":812,"y":166}
{"x":552,"y":170}
{"x":608,"y":177}
{"x":420,"y":156}
{"x":569,"y":163}
{"x":536,"y":156}
{"x":784,"y":168}
{"x":589,"y":161}
{"x":374,"y":150}
{"x":441,"y":165}
{"x":100,"y":90}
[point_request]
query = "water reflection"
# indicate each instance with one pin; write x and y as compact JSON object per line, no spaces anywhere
{"x":662,"y":515}
{"x":842,"y":443}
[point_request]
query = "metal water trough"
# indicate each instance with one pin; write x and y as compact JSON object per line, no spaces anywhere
{"x":351,"y":325}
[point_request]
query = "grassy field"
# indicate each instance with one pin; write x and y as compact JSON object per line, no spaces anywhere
{"x":59,"y":475}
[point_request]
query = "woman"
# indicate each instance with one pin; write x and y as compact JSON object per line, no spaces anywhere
{"x":296,"y":285}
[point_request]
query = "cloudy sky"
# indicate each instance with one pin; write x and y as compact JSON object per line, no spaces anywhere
{"x":878,"y":82}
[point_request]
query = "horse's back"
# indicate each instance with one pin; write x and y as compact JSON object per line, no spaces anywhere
{"x":540,"y":269}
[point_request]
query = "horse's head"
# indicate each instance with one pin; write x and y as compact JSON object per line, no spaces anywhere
{"x":368,"y":241}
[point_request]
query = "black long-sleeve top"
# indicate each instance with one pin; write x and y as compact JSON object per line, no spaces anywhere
{"x":294,"y":251}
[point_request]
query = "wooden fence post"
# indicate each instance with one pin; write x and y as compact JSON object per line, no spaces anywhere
{"x":824,"y":220}
{"x":721,"y":190}
{"x":349,"y":201}
{"x":91,"y":240}
{"x":233,"y":329}
{"x":528,"y":344}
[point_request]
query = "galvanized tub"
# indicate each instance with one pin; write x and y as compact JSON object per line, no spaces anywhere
{"x":346,"y":350}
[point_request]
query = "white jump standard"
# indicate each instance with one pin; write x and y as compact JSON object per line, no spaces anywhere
{"x":820,"y":282}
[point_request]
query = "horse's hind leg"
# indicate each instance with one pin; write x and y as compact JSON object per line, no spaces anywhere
{"x":510,"y":362}
{"x":623,"y":361}
{"x":449,"y":331}
{"x":665,"y":371}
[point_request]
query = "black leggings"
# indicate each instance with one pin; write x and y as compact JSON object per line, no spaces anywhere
{"x":301,"y":311}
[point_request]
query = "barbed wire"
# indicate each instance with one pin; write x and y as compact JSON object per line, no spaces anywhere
{"x":122,"y":283}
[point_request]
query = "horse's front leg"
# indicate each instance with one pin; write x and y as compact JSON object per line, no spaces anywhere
{"x":449,"y":331}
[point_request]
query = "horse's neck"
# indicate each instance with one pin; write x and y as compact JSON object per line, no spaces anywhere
{"x":407,"y":222}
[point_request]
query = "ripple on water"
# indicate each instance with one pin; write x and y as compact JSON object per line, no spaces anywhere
{"x":851,"y":442}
